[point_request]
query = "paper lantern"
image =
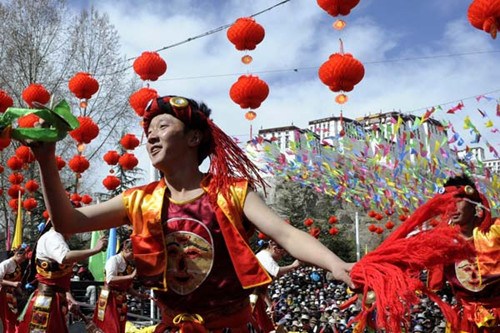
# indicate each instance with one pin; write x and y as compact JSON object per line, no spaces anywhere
{"x":129,"y":142}
{"x":60,"y":162}
{"x":315,"y":232}
{"x":86,"y":132}
{"x":28,"y":121}
{"x":402,"y":218}
{"x":5,"y":101}
{"x":83,"y":86}
{"x":75,"y":197}
{"x":333,"y":231}
{"x":261,"y":235}
{"x":372,"y":213}
{"x":30,"y":204}
{"x":379,"y":230}
{"x":389,"y":225}
{"x":25,"y":154}
{"x":111,"y":157}
{"x":308,"y":222}
{"x":332,"y":219}
{"x":45,"y":214}
{"x":15,"y":163}
{"x":111,"y":182}
{"x":35,"y":92}
{"x":341,"y":72}
{"x":140,"y":99}
{"x":13,"y":203}
{"x":16,"y":178}
{"x":485,"y":15}
{"x":4,"y":142}
{"x":128,"y":161}
{"x":245,"y":33}
{"x":337,"y":7}
{"x":150,"y":66}
{"x":249,"y":91}
{"x":79,"y":164}
{"x":372,"y":227}
{"x":31,"y":185}
{"x":14,"y":191}
{"x":86,"y":199}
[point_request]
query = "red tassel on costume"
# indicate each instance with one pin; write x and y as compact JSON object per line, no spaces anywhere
{"x":192,"y":327}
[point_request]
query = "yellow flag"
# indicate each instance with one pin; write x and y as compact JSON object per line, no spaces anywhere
{"x":18,"y":233}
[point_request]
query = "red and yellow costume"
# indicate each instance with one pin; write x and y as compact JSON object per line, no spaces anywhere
{"x":110,"y":313}
{"x":476,"y":284}
{"x":196,"y":256}
{"x":8,"y":300}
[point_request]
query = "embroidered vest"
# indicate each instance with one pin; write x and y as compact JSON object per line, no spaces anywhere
{"x":144,"y":207}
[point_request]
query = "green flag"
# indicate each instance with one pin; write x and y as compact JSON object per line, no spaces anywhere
{"x":97,"y":261}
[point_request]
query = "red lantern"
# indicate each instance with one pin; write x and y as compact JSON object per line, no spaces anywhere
{"x":389,"y":225}
{"x":28,"y":121}
{"x":16,"y":178}
{"x":150,"y":66}
{"x":250,"y":115}
{"x":129,"y":141}
{"x":378,"y":217}
{"x":83,"y":85}
{"x":245,"y":34}
{"x":4,"y":142}
{"x":261,"y":235}
{"x":485,"y":15}
{"x":315,"y":232}
{"x":249,"y":91}
{"x":389,"y":212}
{"x":5,"y":101}
{"x":308,"y":222}
{"x":86,"y":199}
{"x":333,"y":231}
{"x":337,"y":7}
{"x":111,"y":157}
{"x":372,"y":213}
{"x":45,"y":214}
{"x":13,"y":203}
{"x":60,"y":162}
{"x":341,"y":72}
{"x":15,"y":163}
{"x":111,"y":182}
{"x":79,"y":164}
{"x":402,"y":218}
{"x":372,"y":227}
{"x":128,"y":161}
{"x":140,"y":99}
{"x":35,"y":92}
{"x":14,"y":191}
{"x":31,"y":185}
{"x":87,"y":131}
{"x":75,"y":198}
{"x":379,"y":230}
{"x":30,"y":204}
{"x":25,"y":154}
{"x":332,"y":219}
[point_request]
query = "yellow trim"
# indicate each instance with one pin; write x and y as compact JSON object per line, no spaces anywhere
{"x":186,"y":201}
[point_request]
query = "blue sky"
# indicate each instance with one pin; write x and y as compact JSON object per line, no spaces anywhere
{"x":417,"y":54}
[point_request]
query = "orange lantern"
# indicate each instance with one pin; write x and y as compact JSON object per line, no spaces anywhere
{"x":337,"y":7}
{"x":16,"y":178}
{"x":30,"y":204}
{"x":111,"y":182}
{"x":140,"y":99}
{"x":15,"y":163}
{"x":86,"y":132}
{"x":31,"y":185}
{"x":25,"y":154}
{"x":128,"y":161}
{"x":485,"y":15}
{"x":83,"y":86}
{"x":129,"y":141}
{"x":250,"y":115}
{"x":245,"y":33}
{"x":5,"y":101}
{"x":341,"y":72}
{"x":249,"y":91}
{"x":35,"y":92}
{"x":111,"y":157}
{"x":150,"y":66}
{"x":79,"y":164}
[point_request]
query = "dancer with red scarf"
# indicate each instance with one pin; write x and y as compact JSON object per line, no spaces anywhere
{"x":191,"y":229}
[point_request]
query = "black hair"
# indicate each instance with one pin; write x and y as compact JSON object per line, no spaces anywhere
{"x":460,"y":180}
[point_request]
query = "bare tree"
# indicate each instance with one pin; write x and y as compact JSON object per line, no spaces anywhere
{"x":45,"y":42}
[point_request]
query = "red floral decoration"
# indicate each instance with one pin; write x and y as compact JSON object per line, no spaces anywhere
{"x":25,"y":154}
{"x":31,"y":185}
{"x":150,"y":66}
{"x":87,"y":131}
{"x":35,"y":92}
{"x":86,"y":199}
{"x":83,"y":85}
{"x":111,"y":157}
{"x":79,"y":164}
{"x":372,"y":227}
{"x":341,"y":72}
{"x":389,"y":225}
{"x":5,"y":101}
{"x":13,"y":203}
{"x":60,"y":162}
{"x":129,"y":142}
{"x":16,"y":178}
{"x":333,"y":231}
{"x":4,"y":142}
{"x":15,"y":163}
{"x":128,"y":161}
{"x":315,"y":232}
{"x":485,"y":15}
{"x":333,"y":219}
{"x":30,"y":204}
{"x":28,"y":121}
{"x":14,"y":190}
{"x":111,"y":182}
{"x":140,"y":99}
{"x":308,"y":222}
{"x":249,"y":91}
{"x":337,"y":7}
{"x":245,"y":34}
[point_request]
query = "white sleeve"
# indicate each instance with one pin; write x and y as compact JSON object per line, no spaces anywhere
{"x":267,"y":261}
{"x":53,"y":246}
{"x":4,"y":268}
{"x":111,"y":268}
